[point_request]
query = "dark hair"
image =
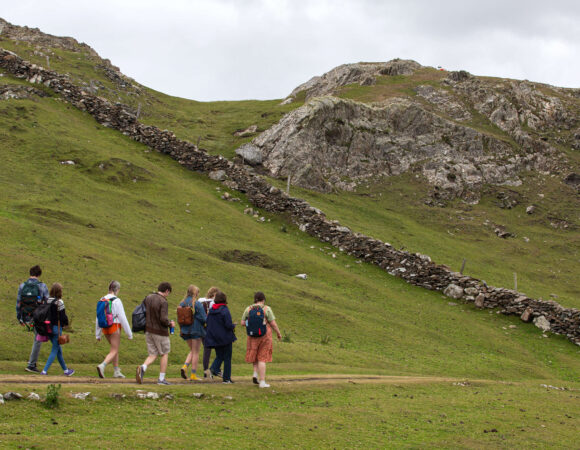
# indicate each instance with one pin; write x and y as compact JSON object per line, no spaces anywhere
{"x":56,"y":291}
{"x":165,"y":286}
{"x":220,"y":297}
{"x":35,"y":271}
{"x":259,"y":297}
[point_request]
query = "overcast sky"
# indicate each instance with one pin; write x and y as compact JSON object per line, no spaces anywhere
{"x":262,"y":49}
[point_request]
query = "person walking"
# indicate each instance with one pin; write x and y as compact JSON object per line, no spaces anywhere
{"x":30,"y":294}
{"x":207,"y":303}
{"x":113,"y":333}
{"x":192,"y":334}
{"x":157,"y":333}
{"x":220,"y":335}
{"x":259,"y":321}
{"x":58,"y":319}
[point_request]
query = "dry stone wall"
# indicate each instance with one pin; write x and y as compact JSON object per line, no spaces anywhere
{"x":414,"y":268}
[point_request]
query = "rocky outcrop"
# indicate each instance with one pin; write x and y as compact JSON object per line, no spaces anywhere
{"x":414,"y":268}
{"x":360,"y":73}
{"x":332,"y":143}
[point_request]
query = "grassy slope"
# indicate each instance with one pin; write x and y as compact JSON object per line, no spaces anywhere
{"x":141,"y":233}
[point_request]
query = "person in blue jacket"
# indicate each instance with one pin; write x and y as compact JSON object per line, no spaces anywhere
{"x":220,"y":336}
{"x":193,"y":334}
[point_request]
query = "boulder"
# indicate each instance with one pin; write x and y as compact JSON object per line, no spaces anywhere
{"x":542,"y":323}
{"x":12,"y":396}
{"x":217,"y":175}
{"x":479,"y":301}
{"x":453,"y":291}
{"x":250,"y":153}
{"x":527,"y":315}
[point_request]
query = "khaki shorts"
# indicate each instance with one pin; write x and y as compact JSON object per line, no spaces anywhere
{"x":157,"y":345}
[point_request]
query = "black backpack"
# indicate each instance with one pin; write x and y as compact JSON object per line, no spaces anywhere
{"x":256,"y":322}
{"x":41,"y":318}
{"x":139,"y":318}
{"x":29,"y":300}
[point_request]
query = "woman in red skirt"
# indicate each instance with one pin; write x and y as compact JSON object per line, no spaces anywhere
{"x":259,"y":321}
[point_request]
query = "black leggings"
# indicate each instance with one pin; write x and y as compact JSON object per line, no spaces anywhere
{"x":206,"y":357}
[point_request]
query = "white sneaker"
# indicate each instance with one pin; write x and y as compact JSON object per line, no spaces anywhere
{"x":101,"y":370}
{"x":118,"y":374}
{"x":263,"y":384}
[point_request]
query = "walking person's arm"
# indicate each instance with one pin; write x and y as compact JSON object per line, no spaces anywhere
{"x":119,"y":311}
{"x":274,"y":326}
{"x":18,"y":316}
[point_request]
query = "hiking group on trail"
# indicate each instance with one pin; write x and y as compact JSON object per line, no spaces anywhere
{"x":205,"y":320}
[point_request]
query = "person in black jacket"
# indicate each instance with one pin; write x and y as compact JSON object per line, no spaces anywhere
{"x":58,"y":319}
{"x":220,"y":335}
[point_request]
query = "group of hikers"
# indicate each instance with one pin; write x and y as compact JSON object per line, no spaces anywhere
{"x":204,"y":321}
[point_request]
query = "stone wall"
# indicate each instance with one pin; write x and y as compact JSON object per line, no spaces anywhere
{"x":415,"y":268}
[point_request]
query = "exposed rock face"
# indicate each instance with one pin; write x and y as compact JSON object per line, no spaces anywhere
{"x":335,"y":143}
{"x":250,"y":153}
{"x":361,"y":73}
{"x":460,"y":133}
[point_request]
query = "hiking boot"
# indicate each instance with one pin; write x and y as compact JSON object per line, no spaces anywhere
{"x":184,"y":372}
{"x":193,"y":377}
{"x":118,"y":374}
{"x":263,"y":384}
{"x":101,"y":370}
{"x":32,"y":369}
{"x":207,"y":374}
{"x":217,"y":374}
{"x":228,"y":382}
{"x":164,"y":382}
{"x":69,"y":372}
{"x":255,"y":380}
{"x":139,"y":375}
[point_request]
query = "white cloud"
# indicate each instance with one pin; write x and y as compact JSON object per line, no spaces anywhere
{"x":227,"y":49}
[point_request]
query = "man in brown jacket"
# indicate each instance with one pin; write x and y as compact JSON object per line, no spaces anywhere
{"x":156,"y":332}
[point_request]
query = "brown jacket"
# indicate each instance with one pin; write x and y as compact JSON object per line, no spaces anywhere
{"x":157,"y":317}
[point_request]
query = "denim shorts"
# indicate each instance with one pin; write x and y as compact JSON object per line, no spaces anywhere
{"x":187,"y":337}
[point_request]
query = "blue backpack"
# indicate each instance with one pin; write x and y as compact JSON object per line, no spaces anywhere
{"x":256,"y":322}
{"x":105,"y":312}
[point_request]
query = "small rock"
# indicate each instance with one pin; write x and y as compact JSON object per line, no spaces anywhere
{"x":302,"y":276}
{"x":80,"y":395}
{"x":226,"y":196}
{"x":168,"y":397}
{"x":453,"y":291}
{"x":479,"y":301}
{"x":229,"y":398}
{"x":33,"y":396}
{"x":542,"y":323}
{"x":152,"y":395}
{"x":217,"y":175}
{"x":527,"y":315}
{"x":526,"y":239}
{"x":530,"y":209}
{"x":452,"y":304}
{"x":68,"y":163}
{"x":118,"y":396}
{"x":471,"y":291}
{"x":12,"y":396}
{"x":1,"y":399}
{"x":198,"y":394}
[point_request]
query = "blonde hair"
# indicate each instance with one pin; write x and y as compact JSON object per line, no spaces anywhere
{"x":192,"y":291}
{"x":212,"y":292}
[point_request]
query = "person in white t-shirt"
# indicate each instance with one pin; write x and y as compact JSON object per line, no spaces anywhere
{"x":113,"y":333}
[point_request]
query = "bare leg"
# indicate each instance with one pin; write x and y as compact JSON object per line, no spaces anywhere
{"x":190,"y":354}
{"x":261,"y":371}
{"x":115,"y":342}
{"x":195,"y":346}
{"x":163,"y":363}
{"x":151,"y":359}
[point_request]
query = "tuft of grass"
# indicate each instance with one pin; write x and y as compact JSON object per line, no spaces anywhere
{"x":52,"y":400}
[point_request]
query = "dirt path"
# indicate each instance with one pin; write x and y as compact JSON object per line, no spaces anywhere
{"x":282,"y":379}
